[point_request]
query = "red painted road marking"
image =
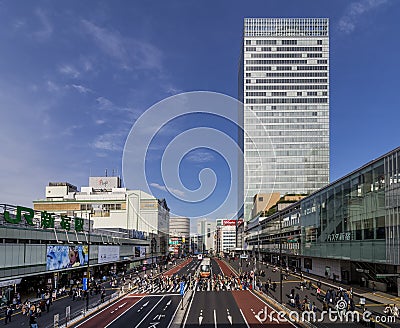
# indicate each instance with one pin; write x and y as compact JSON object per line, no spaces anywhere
{"x":174,"y":270}
{"x":110,"y":313}
{"x":253,"y":310}
{"x":226,"y":270}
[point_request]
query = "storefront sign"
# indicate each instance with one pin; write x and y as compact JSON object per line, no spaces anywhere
{"x":343,"y":236}
{"x":47,"y":220}
{"x":108,"y":254}
{"x":232,"y":222}
{"x":10,"y":282}
{"x":62,"y":257}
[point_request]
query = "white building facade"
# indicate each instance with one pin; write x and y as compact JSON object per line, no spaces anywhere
{"x":111,"y":207}
{"x":284,"y":86}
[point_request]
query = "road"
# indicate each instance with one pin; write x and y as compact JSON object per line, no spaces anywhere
{"x":228,"y":308}
{"x":147,"y":306}
{"x":293,"y":282}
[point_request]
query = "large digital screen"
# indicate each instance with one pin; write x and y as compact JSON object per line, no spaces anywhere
{"x":63,"y":257}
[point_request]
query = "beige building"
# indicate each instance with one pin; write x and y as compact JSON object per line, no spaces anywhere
{"x":263,"y":202}
{"x":111,"y":207}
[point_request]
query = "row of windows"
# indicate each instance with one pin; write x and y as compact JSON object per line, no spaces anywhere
{"x":284,"y":42}
{"x":285,"y":55}
{"x":312,"y":68}
{"x":282,"y":94}
{"x":286,"y":87}
{"x":290,"y":74}
{"x":293,"y":166}
{"x":272,"y":62}
{"x":299,"y":48}
{"x":289,"y":81}
{"x":288,"y":101}
{"x":288,"y":114}
{"x":287,"y":120}
{"x":290,"y":133}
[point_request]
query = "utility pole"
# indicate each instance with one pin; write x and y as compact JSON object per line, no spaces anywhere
{"x":280,"y":256}
{"x":88,"y":267}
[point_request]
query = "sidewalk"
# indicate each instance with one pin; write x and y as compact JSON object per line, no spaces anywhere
{"x":378,"y":297}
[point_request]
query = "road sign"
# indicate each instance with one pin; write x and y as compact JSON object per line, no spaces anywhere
{"x":56,"y":320}
{"x":67,"y":313}
{"x":243,"y":256}
{"x":85,"y":284}
{"x":182,"y":291}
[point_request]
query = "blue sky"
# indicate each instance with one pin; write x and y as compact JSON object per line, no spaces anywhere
{"x":74,"y":77}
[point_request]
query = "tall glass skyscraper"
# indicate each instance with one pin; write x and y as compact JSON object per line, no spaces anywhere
{"x":284,"y":86}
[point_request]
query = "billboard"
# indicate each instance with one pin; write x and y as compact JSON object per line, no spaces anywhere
{"x":104,"y":183}
{"x":108,"y":254}
{"x":139,"y":251}
{"x":62,"y":256}
{"x":232,"y":222}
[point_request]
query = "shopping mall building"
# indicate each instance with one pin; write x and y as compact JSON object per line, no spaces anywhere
{"x":348,"y":230}
{"x":43,"y":249}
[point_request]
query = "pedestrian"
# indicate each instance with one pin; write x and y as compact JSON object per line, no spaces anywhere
{"x":8,"y":315}
{"x":48,"y":305}
{"x":32,"y":321}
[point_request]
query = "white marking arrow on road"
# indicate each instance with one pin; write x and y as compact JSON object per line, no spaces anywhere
{"x":166,"y":305}
{"x":229,"y":316}
{"x":200,"y":320}
{"x":145,"y":304}
{"x":118,"y":307}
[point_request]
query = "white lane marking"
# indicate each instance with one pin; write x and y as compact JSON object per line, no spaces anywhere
{"x":116,"y":318}
{"x":190,"y":305}
{"x":215,"y":318}
{"x":138,"y":325}
{"x":111,"y":305}
{"x":245,"y":321}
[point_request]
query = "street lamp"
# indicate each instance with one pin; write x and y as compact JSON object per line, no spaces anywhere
{"x":88,"y":260}
{"x":280,"y":256}
{"x":152,"y":247}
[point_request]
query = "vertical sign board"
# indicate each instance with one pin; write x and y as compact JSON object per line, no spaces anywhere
{"x":182,"y":290}
{"x":85,"y":283}
{"x":56,"y":320}
{"x":67,"y":313}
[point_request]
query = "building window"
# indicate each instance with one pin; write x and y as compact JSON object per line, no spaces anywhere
{"x":260,"y":199}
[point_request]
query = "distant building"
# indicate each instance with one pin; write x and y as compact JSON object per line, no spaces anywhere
{"x":206,"y":229}
{"x":179,"y":231}
{"x":111,"y":207}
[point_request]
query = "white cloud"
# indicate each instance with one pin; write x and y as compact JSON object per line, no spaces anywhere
{"x":110,"y":141}
{"x":81,"y":88}
{"x":200,"y":157}
{"x":69,"y":71}
{"x":105,"y":104}
{"x":164,"y":188}
{"x":51,"y":86}
{"x":355,"y":10}
{"x":46,"y":29}
{"x":129,"y":52}
{"x":99,"y":122}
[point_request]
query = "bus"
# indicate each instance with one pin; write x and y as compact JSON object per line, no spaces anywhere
{"x":200,"y":256}
{"x":205,"y":268}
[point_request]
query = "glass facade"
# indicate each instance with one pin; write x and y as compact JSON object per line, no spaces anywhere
{"x":284,"y":85}
{"x":353,"y":222}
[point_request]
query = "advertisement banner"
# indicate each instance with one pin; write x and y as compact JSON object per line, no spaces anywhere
{"x":108,"y":254}
{"x":139,"y":251}
{"x":62,"y":257}
{"x":232,"y":222}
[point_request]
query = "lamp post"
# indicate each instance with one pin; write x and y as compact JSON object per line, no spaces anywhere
{"x":88,"y":268}
{"x":152,"y":246}
{"x":280,"y":257}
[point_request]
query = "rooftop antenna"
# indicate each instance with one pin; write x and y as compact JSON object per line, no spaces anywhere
{"x":106,"y":172}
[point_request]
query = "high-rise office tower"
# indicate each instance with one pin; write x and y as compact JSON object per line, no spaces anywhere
{"x":284,"y":86}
